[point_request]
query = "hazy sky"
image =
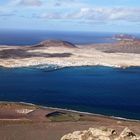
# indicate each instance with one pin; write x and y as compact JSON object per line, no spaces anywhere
{"x":73,"y":15}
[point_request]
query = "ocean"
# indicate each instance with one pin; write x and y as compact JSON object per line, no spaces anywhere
{"x":101,"y":90}
{"x":23,"y":37}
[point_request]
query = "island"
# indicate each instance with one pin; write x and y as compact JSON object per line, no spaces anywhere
{"x":124,"y":37}
{"x":124,"y":53}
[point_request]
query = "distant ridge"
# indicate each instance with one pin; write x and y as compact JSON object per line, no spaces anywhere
{"x":124,"y":37}
{"x":55,"y":43}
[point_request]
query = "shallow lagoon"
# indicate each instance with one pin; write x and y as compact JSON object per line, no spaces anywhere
{"x":101,"y":90}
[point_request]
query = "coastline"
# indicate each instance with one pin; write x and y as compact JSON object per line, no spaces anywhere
{"x":39,"y":122}
{"x":80,"y":112}
{"x":70,"y":110}
{"x":106,"y":112}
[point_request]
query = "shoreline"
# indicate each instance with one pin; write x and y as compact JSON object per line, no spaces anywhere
{"x":71,"y":111}
{"x":56,"y":67}
{"x":69,"y":66}
{"x":92,"y":114}
{"x":39,"y":122}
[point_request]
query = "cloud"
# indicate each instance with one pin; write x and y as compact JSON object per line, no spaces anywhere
{"x":7,"y":13}
{"x":30,"y":2}
{"x":61,"y":2}
{"x":97,"y":14}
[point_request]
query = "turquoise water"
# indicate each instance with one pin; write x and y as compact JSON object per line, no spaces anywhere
{"x":101,"y":90}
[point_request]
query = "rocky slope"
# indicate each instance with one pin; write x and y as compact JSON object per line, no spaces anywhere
{"x":101,"y":134}
{"x":55,"y":43}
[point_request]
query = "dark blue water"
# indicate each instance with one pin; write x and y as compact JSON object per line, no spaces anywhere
{"x":23,"y":37}
{"x":103,"y":90}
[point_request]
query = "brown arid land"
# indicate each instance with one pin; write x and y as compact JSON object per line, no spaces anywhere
{"x":65,"y":54}
{"x":20,"y":121}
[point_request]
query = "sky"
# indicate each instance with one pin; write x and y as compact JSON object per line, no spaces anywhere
{"x":71,"y":15}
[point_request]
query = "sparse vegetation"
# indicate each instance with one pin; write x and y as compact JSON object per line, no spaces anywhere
{"x":61,"y":116}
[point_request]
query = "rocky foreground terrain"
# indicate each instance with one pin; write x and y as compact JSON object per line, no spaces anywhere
{"x":65,"y":54}
{"x":101,"y":134}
